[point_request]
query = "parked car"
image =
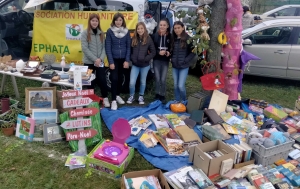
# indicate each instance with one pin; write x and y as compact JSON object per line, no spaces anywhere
{"x":285,"y":11}
{"x":277,"y":43}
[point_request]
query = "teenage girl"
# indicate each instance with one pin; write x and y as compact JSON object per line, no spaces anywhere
{"x":162,"y":41}
{"x":181,"y":55}
{"x":93,"y":48}
{"x":142,"y":52}
{"x":117,"y":46}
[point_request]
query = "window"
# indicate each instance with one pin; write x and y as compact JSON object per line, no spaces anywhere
{"x":106,"y":5}
{"x":286,"y":12}
{"x":276,"y":35}
{"x":12,"y":6}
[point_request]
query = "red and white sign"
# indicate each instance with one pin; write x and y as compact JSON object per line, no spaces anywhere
{"x":83,"y":112}
{"x":74,"y":93}
{"x":70,"y":103}
{"x":78,"y":135}
{"x":75,"y":124}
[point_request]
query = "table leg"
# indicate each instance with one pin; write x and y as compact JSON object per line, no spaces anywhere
{"x":13,"y":79}
{"x":2,"y":83}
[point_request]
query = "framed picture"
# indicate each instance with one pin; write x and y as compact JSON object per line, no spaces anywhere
{"x":43,"y":117}
{"x":39,"y":98}
{"x":25,"y":128}
{"x":53,"y":133}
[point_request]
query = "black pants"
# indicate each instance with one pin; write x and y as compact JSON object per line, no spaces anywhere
{"x":116,"y":78}
{"x":100,"y":79}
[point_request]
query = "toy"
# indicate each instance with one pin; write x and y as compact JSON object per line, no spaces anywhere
{"x":278,"y":137}
{"x":268,"y":143}
{"x":63,"y":63}
{"x":116,"y":151}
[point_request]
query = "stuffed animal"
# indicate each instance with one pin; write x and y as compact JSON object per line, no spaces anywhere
{"x":268,"y":143}
{"x":279,"y":137}
{"x":205,"y":35}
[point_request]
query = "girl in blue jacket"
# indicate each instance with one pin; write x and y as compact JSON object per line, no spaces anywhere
{"x":117,"y":46}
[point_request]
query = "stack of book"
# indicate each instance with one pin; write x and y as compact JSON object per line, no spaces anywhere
{"x":243,"y":152}
{"x":188,"y":177}
{"x":148,"y":138}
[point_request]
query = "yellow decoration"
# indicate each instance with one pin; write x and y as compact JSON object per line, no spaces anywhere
{"x":222,"y":38}
{"x":59,"y":32}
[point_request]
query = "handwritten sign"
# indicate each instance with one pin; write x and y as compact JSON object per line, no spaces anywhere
{"x":83,"y":112}
{"x":70,"y":103}
{"x":78,"y":135}
{"x":75,"y":124}
{"x":74,"y":93}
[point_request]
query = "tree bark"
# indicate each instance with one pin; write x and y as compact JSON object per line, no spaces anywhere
{"x":217,"y":25}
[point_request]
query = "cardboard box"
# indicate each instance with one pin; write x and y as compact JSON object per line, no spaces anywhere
{"x":156,"y":172}
{"x":240,"y":165}
{"x":210,"y":166}
{"x":105,"y":168}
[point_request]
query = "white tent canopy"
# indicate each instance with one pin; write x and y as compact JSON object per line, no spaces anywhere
{"x":33,"y":3}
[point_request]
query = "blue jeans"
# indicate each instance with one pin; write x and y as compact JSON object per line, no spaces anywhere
{"x":133,"y":76}
{"x":179,"y":76}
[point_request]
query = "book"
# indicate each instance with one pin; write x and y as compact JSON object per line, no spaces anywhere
{"x":221,"y":131}
{"x":159,"y":121}
{"x":171,"y":176}
{"x":280,"y":162}
{"x":283,"y":185}
{"x":226,"y":166}
{"x":289,"y":166}
{"x":143,"y":182}
{"x":135,"y":130}
{"x":174,"y":121}
{"x":260,"y":181}
{"x":296,"y":171}
{"x":148,"y":138}
{"x":175,"y":147}
{"x":267,"y":185}
{"x":74,"y":160}
{"x":200,"y":178}
{"x":183,"y":179}
{"x":230,"y":174}
{"x":294,"y":162}
{"x":140,"y":122}
{"x":272,"y":178}
{"x":168,"y":176}
{"x":222,"y":182}
{"x":295,"y":154}
{"x":229,"y":129}
{"x":25,"y":127}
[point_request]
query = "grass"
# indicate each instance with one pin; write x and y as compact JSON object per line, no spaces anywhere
{"x":35,"y":165}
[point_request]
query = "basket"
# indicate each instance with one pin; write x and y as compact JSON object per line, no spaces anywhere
{"x":263,"y":151}
{"x":268,"y":160}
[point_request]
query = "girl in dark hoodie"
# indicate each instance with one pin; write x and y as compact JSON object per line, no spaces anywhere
{"x":181,"y":57}
{"x":142,"y":52}
{"x":162,"y":41}
{"x":117,"y":46}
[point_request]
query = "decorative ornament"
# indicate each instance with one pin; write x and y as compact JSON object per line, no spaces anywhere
{"x":205,"y":35}
{"x":222,"y":38}
{"x":63,"y":63}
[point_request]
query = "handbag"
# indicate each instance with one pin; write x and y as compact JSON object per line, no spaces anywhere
{"x":214,"y":80}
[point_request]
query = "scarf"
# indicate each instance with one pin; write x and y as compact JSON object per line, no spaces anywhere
{"x":119,"y":32}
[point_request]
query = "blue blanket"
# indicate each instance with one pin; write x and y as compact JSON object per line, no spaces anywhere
{"x":157,"y":156}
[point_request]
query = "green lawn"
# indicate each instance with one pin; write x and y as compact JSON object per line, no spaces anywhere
{"x":35,"y":165}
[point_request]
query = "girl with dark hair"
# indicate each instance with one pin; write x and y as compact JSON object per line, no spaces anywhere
{"x":141,"y":45}
{"x":181,"y":56}
{"x":162,"y":41}
{"x":92,"y":44}
{"x":248,"y":19}
{"x":117,"y":46}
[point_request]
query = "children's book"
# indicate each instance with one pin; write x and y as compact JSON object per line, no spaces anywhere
{"x":186,"y":181}
{"x":175,"y":147}
{"x":148,"y":139}
{"x":174,"y":121}
{"x":159,"y":121}
{"x":74,"y":160}
{"x":25,"y":128}
{"x":229,"y":129}
{"x":140,"y":122}
{"x":143,"y":182}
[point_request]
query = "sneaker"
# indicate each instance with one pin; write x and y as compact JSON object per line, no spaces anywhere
{"x":106,"y":103}
{"x":114,"y":105}
{"x":120,"y":100}
{"x":141,"y":100}
{"x":130,"y":99}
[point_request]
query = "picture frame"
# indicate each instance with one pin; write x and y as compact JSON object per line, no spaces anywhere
{"x":25,"y":127}
{"x":53,"y":133}
{"x":39,"y":98}
{"x":43,"y":117}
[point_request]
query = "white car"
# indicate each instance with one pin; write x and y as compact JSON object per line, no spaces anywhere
{"x":277,"y":43}
{"x":285,"y":11}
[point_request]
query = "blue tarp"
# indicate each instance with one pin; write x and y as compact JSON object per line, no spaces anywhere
{"x":157,"y":156}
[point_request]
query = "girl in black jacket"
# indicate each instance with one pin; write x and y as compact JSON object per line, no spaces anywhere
{"x":181,"y":57}
{"x":142,"y":52}
{"x":162,"y":41}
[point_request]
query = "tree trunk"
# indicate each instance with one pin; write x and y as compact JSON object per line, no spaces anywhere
{"x":217,"y":24}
